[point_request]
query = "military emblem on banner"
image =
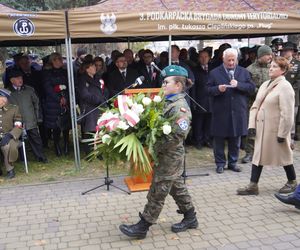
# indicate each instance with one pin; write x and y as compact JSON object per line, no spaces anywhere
{"x":108,"y":25}
{"x":24,"y":27}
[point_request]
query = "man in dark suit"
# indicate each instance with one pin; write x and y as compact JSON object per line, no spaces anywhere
{"x":229,"y":85}
{"x":128,"y":53}
{"x":175,"y":52}
{"x":148,"y":71}
{"x":201,"y":118}
{"x":122,"y":77}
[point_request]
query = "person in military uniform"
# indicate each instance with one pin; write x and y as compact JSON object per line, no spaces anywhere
{"x":293,"y":76}
{"x":10,"y":131}
{"x":276,"y":46}
{"x":170,"y":152}
{"x":259,"y":72}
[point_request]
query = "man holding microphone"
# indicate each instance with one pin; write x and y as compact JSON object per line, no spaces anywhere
{"x":229,"y":85}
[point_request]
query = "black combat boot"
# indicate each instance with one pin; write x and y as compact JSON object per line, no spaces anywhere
{"x":247,"y":158}
{"x":138,"y":230}
{"x":189,"y":221}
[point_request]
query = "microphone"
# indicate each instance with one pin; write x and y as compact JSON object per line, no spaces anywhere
{"x":138,"y":81}
{"x":156,"y":67}
{"x":231,"y":74}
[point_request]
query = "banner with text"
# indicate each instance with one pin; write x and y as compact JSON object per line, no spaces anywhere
{"x":160,"y":23}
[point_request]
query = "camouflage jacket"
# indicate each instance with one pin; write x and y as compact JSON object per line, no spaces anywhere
{"x":170,"y":149}
{"x":259,"y":74}
{"x":9,"y":114}
{"x":293,"y":76}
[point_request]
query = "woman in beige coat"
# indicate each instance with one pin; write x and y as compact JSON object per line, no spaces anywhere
{"x":270,"y":123}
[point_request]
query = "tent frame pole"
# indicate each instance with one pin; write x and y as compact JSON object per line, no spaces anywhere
{"x":73,"y":104}
{"x":170,"y":49}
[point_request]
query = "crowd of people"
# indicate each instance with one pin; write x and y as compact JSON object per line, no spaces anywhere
{"x":225,"y":86}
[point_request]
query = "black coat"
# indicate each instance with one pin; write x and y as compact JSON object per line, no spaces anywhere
{"x":90,"y":97}
{"x":115,"y":82}
{"x":51,"y":102}
{"x":34,"y":80}
{"x":230,"y":108}
{"x":150,"y":81}
{"x":199,"y":90}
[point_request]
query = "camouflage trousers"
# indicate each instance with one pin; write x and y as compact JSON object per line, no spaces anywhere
{"x":158,"y":193}
{"x":249,"y":145}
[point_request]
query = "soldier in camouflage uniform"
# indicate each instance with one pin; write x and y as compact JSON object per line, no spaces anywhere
{"x":293,"y":76}
{"x":259,"y":71}
{"x":170,"y":151}
{"x":10,"y":131}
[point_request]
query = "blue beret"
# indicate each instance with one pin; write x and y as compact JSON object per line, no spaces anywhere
{"x":174,"y":70}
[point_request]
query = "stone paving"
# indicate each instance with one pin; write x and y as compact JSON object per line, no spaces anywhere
{"x":57,"y":216}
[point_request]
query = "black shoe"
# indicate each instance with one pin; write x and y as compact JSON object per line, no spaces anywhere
{"x":234,"y":168}
{"x":288,"y":199}
{"x":10,"y":174}
{"x":189,"y":221}
{"x":138,"y":230}
{"x":247,"y":158}
{"x":220,"y":170}
{"x":208,"y":144}
{"x":1,"y":173}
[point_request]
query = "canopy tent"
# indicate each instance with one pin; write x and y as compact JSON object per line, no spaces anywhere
{"x":136,"y":20}
{"x":31,"y":28}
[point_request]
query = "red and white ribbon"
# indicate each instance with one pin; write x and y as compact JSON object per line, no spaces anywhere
{"x":122,"y":104}
{"x":131,"y":117}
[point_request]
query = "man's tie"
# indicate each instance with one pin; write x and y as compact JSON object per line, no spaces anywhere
{"x":150,"y":72}
{"x":123,"y":75}
{"x":205,"y":67}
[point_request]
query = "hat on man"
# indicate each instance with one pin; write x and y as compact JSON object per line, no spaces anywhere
{"x":264,"y":50}
{"x":174,"y":70}
{"x":290,"y":46}
{"x":5,"y":93}
{"x":277,"y":41}
{"x":14,"y":73}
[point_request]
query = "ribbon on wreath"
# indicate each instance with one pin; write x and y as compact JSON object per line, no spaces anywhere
{"x":130,"y":116}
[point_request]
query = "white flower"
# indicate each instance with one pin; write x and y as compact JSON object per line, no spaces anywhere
{"x":146,"y":101}
{"x":137,"y":108}
{"x":167,"y":129}
{"x":129,"y":101}
{"x":106,"y":139}
{"x":122,"y":125}
{"x":157,"y":98}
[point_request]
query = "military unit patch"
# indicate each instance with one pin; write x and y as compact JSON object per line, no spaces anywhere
{"x":183,"y":124}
